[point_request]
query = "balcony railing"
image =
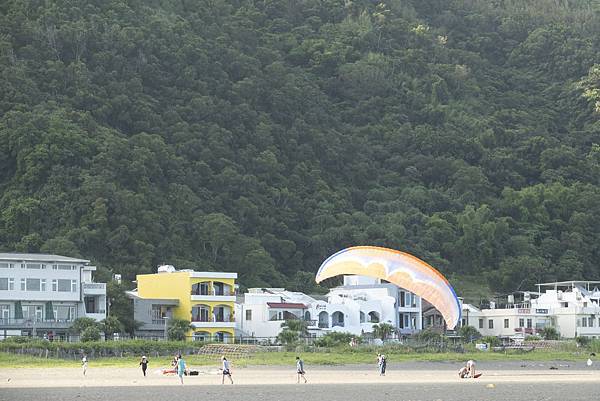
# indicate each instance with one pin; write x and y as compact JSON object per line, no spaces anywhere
{"x":36,"y":322}
{"x":94,"y":286}
{"x":218,"y":319}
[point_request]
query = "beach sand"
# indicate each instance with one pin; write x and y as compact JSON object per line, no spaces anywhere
{"x":408,"y":373}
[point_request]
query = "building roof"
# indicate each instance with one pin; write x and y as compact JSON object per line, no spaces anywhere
{"x":40,"y":257}
{"x":162,"y":301}
{"x":567,"y":283}
{"x":286,"y":305}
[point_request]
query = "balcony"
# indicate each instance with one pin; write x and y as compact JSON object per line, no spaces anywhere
{"x":216,"y":298}
{"x":38,"y":324}
{"x":97,"y":315}
{"x":94,"y":288}
{"x":224,"y":325}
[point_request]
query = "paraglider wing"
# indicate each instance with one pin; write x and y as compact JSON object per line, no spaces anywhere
{"x":400,"y":268}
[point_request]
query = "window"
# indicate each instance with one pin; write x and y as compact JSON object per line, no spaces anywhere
{"x":33,"y":284}
{"x":5,"y":265}
{"x":64,"y":267}
{"x":3,"y":283}
{"x":402,"y":298}
{"x":506,"y":323}
{"x":43,"y":285}
{"x":529,"y":323}
{"x":11,"y":284}
{"x":73,"y":285}
{"x":22,"y":284}
{"x":248,"y":314}
{"x":33,"y":266}
{"x":490,"y":324}
{"x":64,"y":285}
{"x":590,"y":321}
{"x":481,"y":323}
{"x":54,"y":285}
{"x":584,"y":322}
{"x":521,"y":322}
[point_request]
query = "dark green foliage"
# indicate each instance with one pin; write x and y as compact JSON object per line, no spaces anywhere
{"x":90,"y":333}
{"x":335,"y":338}
{"x":468,"y":333}
{"x":287,"y":336}
{"x":550,"y":333}
{"x":383,"y":330}
{"x":429,"y":336}
{"x":82,"y":323}
{"x":261,"y":137}
{"x":493,"y":341}
{"x":178,"y":329}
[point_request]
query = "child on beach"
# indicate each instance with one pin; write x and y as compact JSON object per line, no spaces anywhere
{"x":226,"y":370}
{"x":144,"y":365}
{"x":300,"y":369}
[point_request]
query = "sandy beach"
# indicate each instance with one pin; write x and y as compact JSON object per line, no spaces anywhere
{"x":407,"y":373}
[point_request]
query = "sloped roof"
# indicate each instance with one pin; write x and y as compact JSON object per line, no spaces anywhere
{"x":40,"y":257}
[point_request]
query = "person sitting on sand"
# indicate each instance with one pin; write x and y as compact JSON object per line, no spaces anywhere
{"x":467,"y":371}
{"x":300,"y":369}
{"x":226,"y":370}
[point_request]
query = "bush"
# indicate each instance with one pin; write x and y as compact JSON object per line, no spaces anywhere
{"x":491,"y":340}
{"x":90,"y":333}
{"x":533,"y":338}
{"x":550,"y":333}
{"x":335,"y":339}
{"x":429,"y":336}
{"x":288,"y":337}
{"x":469,"y":333}
{"x":582,"y":341}
{"x":178,"y":329}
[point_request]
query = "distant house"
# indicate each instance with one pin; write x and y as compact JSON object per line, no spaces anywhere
{"x":354,"y":308}
{"x":206,"y":299}
{"x":571,"y":307}
{"x":41,"y":294}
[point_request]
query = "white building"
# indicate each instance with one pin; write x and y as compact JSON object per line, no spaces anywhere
{"x":42,"y":294}
{"x":571,"y":307}
{"x":354,"y":308}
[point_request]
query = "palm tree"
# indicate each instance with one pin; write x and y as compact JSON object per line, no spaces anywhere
{"x":382,"y":330}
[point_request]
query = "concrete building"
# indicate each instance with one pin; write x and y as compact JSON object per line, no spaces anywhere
{"x":354,"y":308}
{"x":42,"y":294}
{"x":571,"y":307}
{"x":206,"y":299}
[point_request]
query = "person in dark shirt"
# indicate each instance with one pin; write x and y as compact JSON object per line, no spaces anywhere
{"x":144,"y":364}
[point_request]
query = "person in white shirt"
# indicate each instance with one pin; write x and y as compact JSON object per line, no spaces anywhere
{"x":300,"y":369}
{"x":84,"y":364}
{"x":226,"y":370}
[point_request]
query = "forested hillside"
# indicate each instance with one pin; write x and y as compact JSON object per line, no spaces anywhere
{"x":262,"y":136}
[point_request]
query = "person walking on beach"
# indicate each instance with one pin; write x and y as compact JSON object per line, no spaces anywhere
{"x":383,"y":365}
{"x":226,"y":368}
{"x":380,"y":364}
{"x":300,"y":369}
{"x":84,"y":363}
{"x":144,"y":364}
{"x":180,"y":367}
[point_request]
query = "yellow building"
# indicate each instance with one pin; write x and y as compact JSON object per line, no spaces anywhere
{"x":206,"y":299}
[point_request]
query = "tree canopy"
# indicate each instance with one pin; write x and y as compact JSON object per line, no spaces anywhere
{"x":261,"y":137}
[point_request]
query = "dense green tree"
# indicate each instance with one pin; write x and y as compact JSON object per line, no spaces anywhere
{"x":263,"y":137}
